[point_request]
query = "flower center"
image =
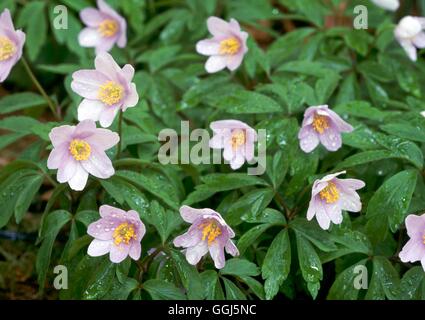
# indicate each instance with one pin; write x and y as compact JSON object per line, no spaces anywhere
{"x":124,"y":233}
{"x":320,"y":123}
{"x":238,"y":139}
{"x":229,"y":46}
{"x":210,"y":231}
{"x":79,"y":149}
{"x":108,"y":28}
{"x":330,"y":193}
{"x":110,"y":93}
{"x":7,"y":48}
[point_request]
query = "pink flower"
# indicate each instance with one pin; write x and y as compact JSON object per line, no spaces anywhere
{"x":208,"y":232}
{"x":105,"y":90}
{"x":414,"y":249}
{"x":236,"y":138}
{"x":330,"y":196}
{"x":409,"y":33}
{"x":321,"y":124}
{"x":80,"y":150}
{"x":227,"y":47}
{"x":11,"y":44}
{"x":117,"y":232}
{"x":105,"y":27}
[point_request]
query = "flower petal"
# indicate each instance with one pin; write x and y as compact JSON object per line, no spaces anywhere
{"x":89,"y":37}
{"x":308,"y":139}
{"x":419,"y":40}
{"x":99,"y":165}
{"x":234,"y":61}
{"x":98,"y":248}
{"x":67,"y":170}
{"x":103,"y":229}
{"x":90,"y":109}
{"x":79,"y":180}
{"x":231,"y":248}
{"x":92,"y":17}
{"x":218,"y":27}
{"x":86,"y":83}
{"x":208,"y":47}
{"x":194,"y":254}
{"x":215,"y":64}
{"x":331,"y":139}
{"x":60,"y":135}
{"x":103,"y":139}
{"x":217,"y":254}
{"x":135,"y":250}
{"x":132,"y":98}
{"x":57,"y":156}
{"x":118,"y":253}
{"x":412,"y":251}
{"x":107,"y":116}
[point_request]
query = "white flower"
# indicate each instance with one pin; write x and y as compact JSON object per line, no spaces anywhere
{"x":409,"y":33}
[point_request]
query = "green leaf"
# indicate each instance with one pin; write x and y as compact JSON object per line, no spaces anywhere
{"x":249,"y":205}
{"x":164,"y":221}
{"x":393,"y":198}
{"x":20,"y":101}
{"x":157,"y":58}
{"x":310,"y":265}
{"x":326,"y":86}
{"x":411,"y":283}
{"x":211,"y":285}
{"x":343,"y":287}
{"x":361,"y":109}
{"x":309,"y":68}
{"x":52,"y":224}
{"x":218,"y":182}
{"x":243,"y":101}
{"x":311,"y":231}
{"x":250,"y":236}
{"x":189,"y":276}
{"x":406,"y":129}
{"x":154,"y":183}
{"x":232,"y":291}
{"x":36,"y":31}
{"x":387,"y":276}
{"x":240,"y":267}
{"x":255,"y":286}
{"x":11,"y":189}
{"x":277,"y":168}
{"x":162,"y":290}
{"x":26,"y":196}
{"x":276,"y":264}
{"x":19,"y":124}
{"x":359,"y":40}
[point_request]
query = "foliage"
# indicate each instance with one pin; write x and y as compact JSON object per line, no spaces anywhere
{"x":300,"y":54}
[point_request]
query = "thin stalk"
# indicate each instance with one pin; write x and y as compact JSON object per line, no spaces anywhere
{"x":40,"y":87}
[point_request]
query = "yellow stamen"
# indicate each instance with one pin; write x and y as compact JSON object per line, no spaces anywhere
{"x":108,"y":28}
{"x":330,"y":193}
{"x":124,"y":233}
{"x":229,"y":46}
{"x":423,"y":239}
{"x":238,"y":139}
{"x":110,"y":93}
{"x":79,"y":149}
{"x":7,"y":48}
{"x":210,"y":231}
{"x":320,"y":123}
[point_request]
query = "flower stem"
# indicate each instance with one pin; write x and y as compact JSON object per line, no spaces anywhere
{"x":120,"y":134}
{"x":39,"y":87}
